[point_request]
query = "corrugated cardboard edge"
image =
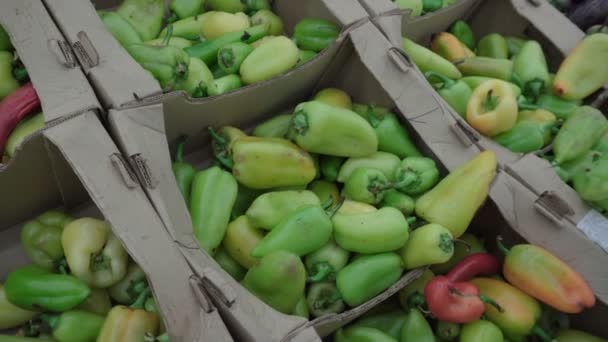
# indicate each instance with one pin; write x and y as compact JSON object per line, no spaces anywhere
{"x":89,"y":150}
{"x":59,"y":81}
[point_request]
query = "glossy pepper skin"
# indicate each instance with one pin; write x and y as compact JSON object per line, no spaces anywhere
{"x":326,"y":192}
{"x":146,"y":16}
{"x":93,"y":253}
{"x":315,"y":34}
{"x":187,"y":28}
{"x":240,"y":239}
{"x":98,"y":302}
{"x":382,"y":161}
{"x":481,"y":331}
{"x":416,"y":328}
{"x":266,"y":16}
{"x":129,"y":287}
{"x":228,"y":264}
{"x":461,"y":250}
{"x":412,"y":295}
{"x":184,"y":173}
{"x":12,"y":316}
{"x":528,"y":135}
{"x":326,"y":262}
{"x":455,"y":93}
{"x":74,"y":325}
{"x":263,"y":163}
{"x":416,"y":175}
{"x":32,"y":288}
{"x":398,"y":200}
{"x":475,"y":81}
{"x":379,"y":231}
{"x":519,"y":311}
{"x":368,"y":276}
{"x":392,"y":136}
{"x":486,"y":67}
{"x":362,"y":334}
{"x":199,"y":79}
{"x":41,"y":239}
{"x":181,"y":9}
{"x":543,"y":276}
{"x":304,"y":231}
{"x":530,"y":69}
{"x":427,"y":245}
{"x":449,"y":47}
{"x":389,"y":322}
{"x":464,"y":33}
{"x":334,"y":96}
{"x":301,"y":309}
{"x":276,"y":56}
{"x":569,"y":143}
{"x":278,"y":280}
{"x":211,"y":200}
{"x":320,"y":128}
{"x":120,"y":28}
{"x":492,"y":108}
{"x":592,"y":183}
{"x":128,"y":324}
{"x":330,"y":167}
{"x":578,"y":76}
{"x":168,"y":64}
{"x":269,"y":209}
{"x":453,"y":202}
{"x":366,"y":185}
{"x":276,"y":127}
{"x":563,"y":109}
{"x":324,"y":298}
{"x":222,"y":143}
{"x":428,"y":60}
{"x":231,"y":56}
{"x":493,"y":45}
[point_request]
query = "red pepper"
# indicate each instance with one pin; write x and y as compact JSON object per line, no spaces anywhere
{"x":14,"y":108}
{"x":452,"y":298}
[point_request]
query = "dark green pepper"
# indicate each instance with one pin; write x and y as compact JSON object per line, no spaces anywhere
{"x":447,"y":331}
{"x":224,"y":85}
{"x":330,"y":167}
{"x":276,"y":127}
{"x":213,"y":195}
{"x":168,"y":64}
{"x":72,"y":326}
{"x":366,"y":185}
{"x":207,"y":50}
{"x":389,"y":322}
{"x":367,"y":276}
{"x":41,"y":239}
{"x":324,"y":263}
{"x":431,"y":5}
{"x":231,"y":56}
{"x":592,"y":182}
{"x":181,"y":9}
{"x":400,"y":201}
{"x":184,"y":173}
{"x":464,"y":33}
{"x":416,"y":328}
{"x":315,"y":34}
{"x":514,"y":44}
{"x":493,"y":45}
{"x":323,"y":299}
{"x":305,"y":56}
{"x":230,"y":6}
{"x":416,"y":175}
{"x":392,"y":137}
{"x":531,"y":132}
{"x":229,"y":265}
{"x":362,"y":334}
{"x":34,"y":288}
{"x":563,"y":109}
{"x":578,"y":134}
{"x":455,"y":93}
{"x":256,"y":5}
{"x":120,"y":28}
{"x":5,"y":40}
{"x":146,"y":16}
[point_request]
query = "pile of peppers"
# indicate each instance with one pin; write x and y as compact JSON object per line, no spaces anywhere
{"x":323,"y":209}
{"x":502,"y":86}
{"x":421,"y":7}
{"x":208,"y":48}
{"x":81,"y":286}
{"x":20,"y":114}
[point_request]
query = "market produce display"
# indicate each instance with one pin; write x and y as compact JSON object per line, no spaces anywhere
{"x":19,"y":104}
{"x":503,"y":88}
{"x":208,"y":49}
{"x":421,"y":7}
{"x":317,"y":207}
{"x":468,"y":300}
{"x":81,"y":286}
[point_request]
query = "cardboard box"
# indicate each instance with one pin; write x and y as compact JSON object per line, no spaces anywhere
{"x":559,"y":204}
{"x":120,"y":81}
{"x":72,"y":164}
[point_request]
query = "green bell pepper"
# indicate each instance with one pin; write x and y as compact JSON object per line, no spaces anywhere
{"x":531,"y":70}
{"x":229,"y":265}
{"x":278,"y":280}
{"x":230,"y":6}
{"x":427,"y":245}
{"x":324,"y":263}
{"x":493,"y":45}
{"x":367,"y":276}
{"x":464,"y":33}
{"x":184,"y":172}
{"x":385,"y":162}
{"x":326,"y":192}
{"x":578,"y":134}
{"x":475,"y":81}
{"x":146,"y":16}
{"x":514,"y":45}
{"x":428,"y":60}
{"x":98,"y":302}
{"x":447,"y":331}
{"x":269,"y":209}
{"x":591,"y":183}
{"x":266,"y":16}
{"x":487,"y":67}
{"x":302,"y":232}
{"x":366,"y":185}
{"x":389,"y":322}
{"x":254,"y":6}
{"x":277,"y":55}
{"x":41,"y":239}
{"x":8,"y":83}
{"x":231,"y":56}
{"x":5,"y":40}
{"x":416,"y":328}
{"x":471,"y":244}
{"x":224,"y":84}
{"x":213,"y":195}
{"x":392,"y":136}
{"x":187,"y":28}
{"x":168,"y":64}
{"x":416,"y":175}
{"x":240,"y":239}
{"x":481,"y":331}
{"x":207,"y":50}
{"x":431,"y":5}
{"x":12,"y":316}
{"x":412,"y":295}
{"x":315,"y":34}
{"x":455,"y":93}
{"x":276,"y":127}
{"x":301,"y":309}
{"x":528,"y":134}
{"x":362,"y":334}
{"x":34,"y":288}
{"x":181,"y":9}
{"x":120,"y":28}
{"x":379,"y":231}
{"x":199,"y":79}
{"x":24,"y":129}
{"x":74,"y":325}
{"x":323,"y":299}
{"x":400,"y":201}
{"x":305,"y":56}
{"x":567,"y":170}
{"x":321,"y":128}
{"x":330,"y":167}
{"x":129,"y":287}
{"x":563,"y":109}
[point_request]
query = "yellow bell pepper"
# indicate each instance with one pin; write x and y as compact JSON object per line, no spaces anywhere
{"x":492,"y":108}
{"x":129,"y":324}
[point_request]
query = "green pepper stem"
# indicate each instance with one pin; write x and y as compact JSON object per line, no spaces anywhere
{"x":20,"y":74}
{"x":326,"y":301}
{"x":415,"y":300}
{"x":373,"y":118}
{"x":49,"y":319}
{"x":320,"y":271}
{"x":524,"y":103}
{"x":491,"y":101}
{"x":538,"y":331}
{"x":411,"y":220}
{"x":221,"y":149}
{"x":299,"y":122}
{"x":334,"y":209}
{"x":534,"y":88}
{"x":490,"y":301}
{"x":141,"y":299}
{"x":168,"y":36}
{"x":179,"y":154}
{"x":172,"y":18}
{"x":447,"y":82}
{"x":505,"y":251}
{"x":404,"y":179}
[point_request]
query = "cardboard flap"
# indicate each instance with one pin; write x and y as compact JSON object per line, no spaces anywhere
{"x":118,"y":78}
{"x":62,"y":87}
{"x":556,"y":27}
{"x":346,"y":11}
{"x":86,"y":146}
